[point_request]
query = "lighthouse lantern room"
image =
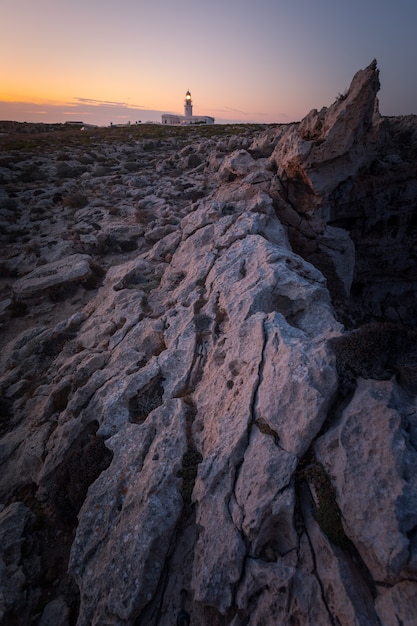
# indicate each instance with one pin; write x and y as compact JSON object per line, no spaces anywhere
{"x":188,"y":106}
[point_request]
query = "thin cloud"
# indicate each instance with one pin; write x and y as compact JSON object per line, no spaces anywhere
{"x":230,"y":110}
{"x":110,"y":103}
{"x":77,"y":112}
{"x":35,"y":112}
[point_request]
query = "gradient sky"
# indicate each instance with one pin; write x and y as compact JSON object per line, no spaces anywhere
{"x":103,"y":61}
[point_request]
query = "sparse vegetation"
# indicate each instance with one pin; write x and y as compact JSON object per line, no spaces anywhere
{"x":326,"y":510}
{"x":342,"y":96}
{"x":75,"y":200}
{"x":30,"y":138}
{"x":199,"y":304}
{"x":267,"y":430}
{"x":377,"y":350}
{"x":190,"y":462}
{"x":67,"y":171}
{"x":147,"y":399}
{"x":192,"y":457}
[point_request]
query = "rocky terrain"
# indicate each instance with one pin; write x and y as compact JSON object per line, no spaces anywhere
{"x":209,"y":372}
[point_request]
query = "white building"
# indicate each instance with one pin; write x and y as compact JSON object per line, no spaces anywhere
{"x":188,"y":118}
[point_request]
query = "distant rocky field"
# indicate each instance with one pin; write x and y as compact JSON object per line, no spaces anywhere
{"x":208,"y":371}
{"x":65,"y":191}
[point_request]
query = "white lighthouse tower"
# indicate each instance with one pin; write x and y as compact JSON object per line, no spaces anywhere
{"x":188,"y":118}
{"x":188,"y":106}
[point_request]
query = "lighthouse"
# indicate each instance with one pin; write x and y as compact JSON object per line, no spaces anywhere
{"x":188,"y":118}
{"x":188,"y":106}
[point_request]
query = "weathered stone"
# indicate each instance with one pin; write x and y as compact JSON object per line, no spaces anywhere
{"x":56,"y":613}
{"x":331,"y":145}
{"x":347,"y":596}
{"x":132,"y":509}
{"x":13,"y":522}
{"x":266,"y":519}
{"x":397,"y":604}
{"x":375,"y":478}
{"x":239,"y":163}
{"x":76,"y":268}
{"x":336,"y":244}
{"x":281,"y":595}
{"x":5,"y":305}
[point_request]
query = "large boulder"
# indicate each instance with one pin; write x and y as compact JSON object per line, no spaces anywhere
{"x":374,"y":468}
{"x":73,"y":269}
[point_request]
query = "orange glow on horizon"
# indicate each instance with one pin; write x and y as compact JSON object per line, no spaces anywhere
{"x":92,"y":98}
{"x":31,"y":98}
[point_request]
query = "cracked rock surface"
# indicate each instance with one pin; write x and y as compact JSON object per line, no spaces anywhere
{"x":208,"y":378}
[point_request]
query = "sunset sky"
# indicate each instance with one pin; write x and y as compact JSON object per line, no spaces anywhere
{"x":103,"y":61}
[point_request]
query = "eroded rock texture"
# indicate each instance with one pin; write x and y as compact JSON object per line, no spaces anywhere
{"x":209,"y":376}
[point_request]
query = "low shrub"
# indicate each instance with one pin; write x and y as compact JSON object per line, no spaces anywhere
{"x":377,"y":350}
{"x":148,"y":399}
{"x":75,"y":200}
{"x":326,"y":510}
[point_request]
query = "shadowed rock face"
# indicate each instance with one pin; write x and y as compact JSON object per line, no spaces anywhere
{"x":349,"y":180}
{"x":190,"y":419}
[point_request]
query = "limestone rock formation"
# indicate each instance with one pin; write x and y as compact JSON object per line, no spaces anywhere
{"x":209,"y":375}
{"x":74,"y":268}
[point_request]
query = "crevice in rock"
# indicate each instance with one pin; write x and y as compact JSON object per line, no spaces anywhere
{"x":45,"y":549}
{"x":203,"y":335}
{"x":6,"y":415}
{"x":364,"y":583}
{"x":325,"y":510}
{"x":175,"y":575}
{"x":150,"y":397}
{"x":221,"y":318}
{"x":261,"y":366}
{"x":49,"y":539}
{"x":267,"y":430}
{"x":199,"y":359}
{"x":315,"y":490}
{"x":177,"y":571}
{"x":252,"y":422}
{"x":340,"y":401}
{"x":84,"y":461}
{"x":303,"y":499}
{"x":192,"y":457}
{"x":412,"y":538}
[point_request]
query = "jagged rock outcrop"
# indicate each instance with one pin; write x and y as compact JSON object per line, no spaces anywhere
{"x":188,"y":421}
{"x":348,"y":168}
{"x":330,"y":145}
